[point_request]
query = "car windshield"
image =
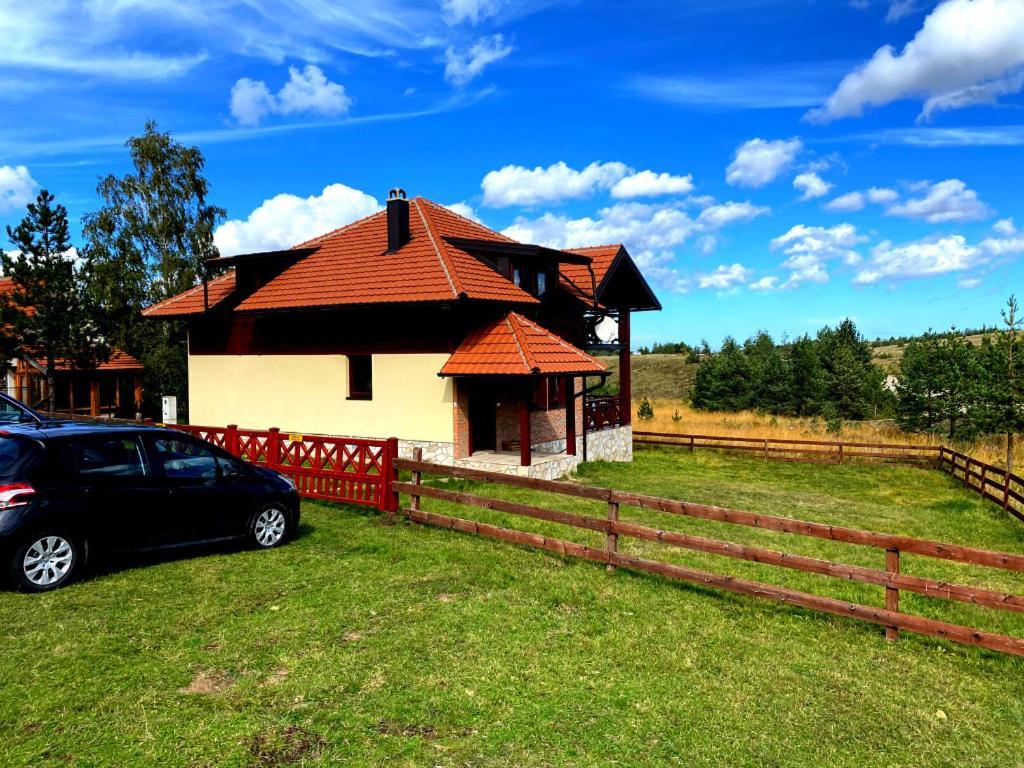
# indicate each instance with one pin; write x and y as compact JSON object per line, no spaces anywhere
{"x":18,"y":456}
{"x":13,"y":413}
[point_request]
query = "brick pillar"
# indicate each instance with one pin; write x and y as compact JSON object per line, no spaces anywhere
{"x":525,"y":458}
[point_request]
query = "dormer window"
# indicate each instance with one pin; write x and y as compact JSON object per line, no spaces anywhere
{"x":542,"y":283}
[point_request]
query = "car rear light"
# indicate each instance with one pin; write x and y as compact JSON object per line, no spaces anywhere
{"x":15,"y":495}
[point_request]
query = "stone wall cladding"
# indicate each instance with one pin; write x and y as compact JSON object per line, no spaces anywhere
{"x":435,"y":453}
{"x":615,"y":444}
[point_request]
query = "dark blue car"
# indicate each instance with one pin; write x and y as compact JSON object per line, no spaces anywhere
{"x":70,"y":488}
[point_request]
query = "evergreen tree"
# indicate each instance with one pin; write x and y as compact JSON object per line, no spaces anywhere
{"x":49,"y":314}
{"x":770,"y":375}
{"x":807,"y":378}
{"x":1002,"y":384}
{"x":851,"y":383}
{"x":723,"y":380}
{"x":151,"y":240}
{"x":919,"y":383}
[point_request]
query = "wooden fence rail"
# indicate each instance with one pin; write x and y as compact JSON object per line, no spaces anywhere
{"x":781,"y":449}
{"x":992,"y":482}
{"x":346,"y":469}
{"x":891,"y":579}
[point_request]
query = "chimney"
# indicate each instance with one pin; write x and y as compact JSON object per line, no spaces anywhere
{"x":398,"y":220}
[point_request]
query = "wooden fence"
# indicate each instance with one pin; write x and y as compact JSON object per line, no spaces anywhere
{"x":824,"y":451}
{"x":994,"y":483}
{"x":891,"y":579}
{"x":346,"y":469}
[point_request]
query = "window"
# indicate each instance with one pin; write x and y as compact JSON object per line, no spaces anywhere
{"x":542,"y":283}
{"x":183,"y":459}
{"x":360,"y":377}
{"x":548,"y":394}
{"x":108,"y":457}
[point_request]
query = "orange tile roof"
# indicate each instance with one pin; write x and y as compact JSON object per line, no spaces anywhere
{"x":515,"y":346}
{"x":352,"y":266}
{"x":576,"y":277}
{"x":191,"y":301}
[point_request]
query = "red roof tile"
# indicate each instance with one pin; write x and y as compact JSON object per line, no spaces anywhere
{"x":352,"y":266}
{"x":576,"y":277}
{"x":191,"y":301}
{"x":515,"y":346}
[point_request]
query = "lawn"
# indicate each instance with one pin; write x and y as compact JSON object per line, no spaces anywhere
{"x":367,"y":644}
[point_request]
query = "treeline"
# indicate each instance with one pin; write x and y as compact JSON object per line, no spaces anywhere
{"x":693,"y":354}
{"x":951,"y":386}
{"x":150,"y":238}
{"x":829,"y":375}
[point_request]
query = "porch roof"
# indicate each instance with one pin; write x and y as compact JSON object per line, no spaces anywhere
{"x":515,"y":346}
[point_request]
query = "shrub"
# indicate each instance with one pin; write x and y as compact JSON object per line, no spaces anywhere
{"x":645,"y":412}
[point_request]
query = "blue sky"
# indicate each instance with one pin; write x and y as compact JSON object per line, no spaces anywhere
{"x":775,"y":165}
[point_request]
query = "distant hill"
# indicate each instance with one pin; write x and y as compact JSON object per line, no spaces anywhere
{"x":658,"y":377}
{"x":887,"y":355}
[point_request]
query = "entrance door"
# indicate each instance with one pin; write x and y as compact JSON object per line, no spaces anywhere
{"x":483,"y":419}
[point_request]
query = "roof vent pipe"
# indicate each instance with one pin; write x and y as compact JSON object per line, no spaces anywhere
{"x":398,"y":219}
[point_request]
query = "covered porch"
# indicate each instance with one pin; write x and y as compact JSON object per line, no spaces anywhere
{"x":519,"y":394}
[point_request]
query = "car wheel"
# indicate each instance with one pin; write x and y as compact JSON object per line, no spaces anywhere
{"x":46,"y":560}
{"x":270,"y":527}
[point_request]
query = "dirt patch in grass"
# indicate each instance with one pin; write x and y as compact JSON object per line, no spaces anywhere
{"x":392,"y":728}
{"x":290,"y":745}
{"x":208,"y":681}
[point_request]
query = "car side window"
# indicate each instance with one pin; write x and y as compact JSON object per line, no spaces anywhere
{"x":116,"y":456}
{"x":183,"y":459}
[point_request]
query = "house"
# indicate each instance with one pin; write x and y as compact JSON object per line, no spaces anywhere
{"x":111,"y":388}
{"x":418,"y":323}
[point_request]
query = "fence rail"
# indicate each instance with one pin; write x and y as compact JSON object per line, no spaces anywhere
{"x":891,"y":579}
{"x":602,"y":412}
{"x":780,"y":449}
{"x":345,"y":469}
{"x":993,"y":483}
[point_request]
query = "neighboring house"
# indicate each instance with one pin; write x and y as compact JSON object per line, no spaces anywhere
{"x":418,"y":323}
{"x":112,"y":388}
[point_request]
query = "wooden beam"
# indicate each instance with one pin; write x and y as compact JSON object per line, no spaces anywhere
{"x":570,"y":416}
{"x":625,"y":374}
{"x":94,"y":397}
{"x":525,"y":459}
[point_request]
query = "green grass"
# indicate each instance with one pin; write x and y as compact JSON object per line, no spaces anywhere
{"x":367,"y":644}
{"x":658,"y":377}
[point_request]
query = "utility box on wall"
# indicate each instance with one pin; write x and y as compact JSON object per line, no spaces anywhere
{"x":170,"y":409}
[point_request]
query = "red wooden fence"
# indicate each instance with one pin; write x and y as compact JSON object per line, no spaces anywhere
{"x":345,"y":469}
{"x":994,"y":483}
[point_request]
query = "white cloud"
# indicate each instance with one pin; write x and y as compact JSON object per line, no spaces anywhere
{"x":651,"y":184}
{"x":809,"y":249}
{"x":758,"y":162}
{"x":851,"y":201}
{"x":1011,"y":245}
{"x":929,"y":137}
{"x":307,"y":90}
{"x":882,"y":195}
{"x":899,"y":9}
{"x":518,"y":185}
{"x":472,"y":11}
{"x":707,"y":243}
{"x":963,"y":45}
{"x":465,"y":210}
{"x":286,"y":220}
{"x":766,"y":283}
{"x":1005,"y":227}
{"x":949,"y":200}
{"x":463,"y":66}
{"x":725,"y":277}
{"x":968,"y":282}
{"x":715,"y":217}
{"x":920,"y":258}
{"x":17,"y":187}
{"x":811,"y":185}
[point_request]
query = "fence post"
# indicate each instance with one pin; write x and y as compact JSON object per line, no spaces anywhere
{"x":417,"y":455}
{"x":611,"y":541}
{"x":967,"y":471}
{"x":766,"y":449}
{"x":1006,"y":490}
{"x":691,"y":443}
{"x":892,"y":594}
{"x":274,"y":447}
{"x":840,"y":453}
{"x":231,"y":442}
{"x":984,"y":469}
{"x":390,"y":498}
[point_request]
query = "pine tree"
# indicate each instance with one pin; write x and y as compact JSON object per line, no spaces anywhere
{"x":49,"y":314}
{"x":1002,"y":360}
{"x":807,"y":377}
